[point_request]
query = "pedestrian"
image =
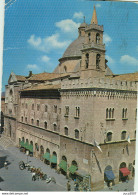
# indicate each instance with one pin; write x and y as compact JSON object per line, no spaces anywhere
{"x":110,"y":185}
{"x":6,"y":165}
{"x":33,"y":176}
{"x":68,"y":186}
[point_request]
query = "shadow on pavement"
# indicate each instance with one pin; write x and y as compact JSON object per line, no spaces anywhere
{"x":1,"y":180}
{"x":2,"y":160}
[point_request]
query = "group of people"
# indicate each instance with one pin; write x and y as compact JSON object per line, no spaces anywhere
{"x":36,"y":173}
{"x":76,"y":186}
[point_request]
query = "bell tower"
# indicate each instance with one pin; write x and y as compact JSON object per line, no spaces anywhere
{"x":93,"y":51}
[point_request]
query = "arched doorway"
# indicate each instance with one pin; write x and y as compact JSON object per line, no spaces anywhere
{"x":109,"y":175}
{"x":46,"y":157}
{"x":53,"y":160}
{"x":31,"y":148}
{"x":41,"y":152}
{"x":63,"y":165}
{"x":123,"y":172}
{"x":36,"y":149}
{"x":72,"y":170}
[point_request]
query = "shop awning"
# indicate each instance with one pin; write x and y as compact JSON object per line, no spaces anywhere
{"x":22,"y":143}
{"x":63,"y":165}
{"x":46,"y":156}
{"x":125,"y":171}
{"x":109,"y":174}
{"x":26,"y":145}
{"x":73,"y":169}
{"x":30,"y":148}
{"x":53,"y":159}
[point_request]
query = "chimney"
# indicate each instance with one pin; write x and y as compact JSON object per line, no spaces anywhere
{"x":30,"y":74}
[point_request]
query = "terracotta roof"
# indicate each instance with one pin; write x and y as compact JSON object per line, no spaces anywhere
{"x":42,"y":86}
{"x":45,"y":76}
{"x":127,"y":77}
{"x":20,"y":78}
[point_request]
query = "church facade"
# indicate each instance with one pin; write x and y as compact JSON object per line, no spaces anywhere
{"x":81,"y":118}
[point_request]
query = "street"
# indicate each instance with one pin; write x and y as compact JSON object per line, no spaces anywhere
{"x":14,"y":179}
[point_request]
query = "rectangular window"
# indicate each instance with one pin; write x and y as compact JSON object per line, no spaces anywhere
{"x":32,"y":106}
{"x":38,"y":107}
{"x":77,"y":112}
{"x":110,"y":114}
{"x":55,"y":108}
{"x":46,"y":108}
{"x":66,"y":110}
{"x":124,"y":113}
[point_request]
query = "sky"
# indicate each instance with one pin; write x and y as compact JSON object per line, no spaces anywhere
{"x":36,"y":33}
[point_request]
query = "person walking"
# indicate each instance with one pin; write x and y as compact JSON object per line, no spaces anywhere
{"x":68,"y":186}
{"x":6,"y":165}
{"x":33,"y":176}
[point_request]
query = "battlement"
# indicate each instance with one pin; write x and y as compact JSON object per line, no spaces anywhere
{"x":105,"y":83}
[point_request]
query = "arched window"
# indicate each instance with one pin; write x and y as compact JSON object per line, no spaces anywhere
{"x":87,"y":60}
{"x":65,"y":69}
{"x":55,"y":127}
{"x":23,"y":139}
{"x":36,"y":147}
{"x":136,"y":114}
{"x":26,"y":119}
{"x":46,"y":108}
{"x":22,"y":118}
{"x":47,"y":150}
{"x":124,"y":113}
{"x":37,"y":122}
{"x":135,"y":134}
{"x":98,"y":61}
{"x":97,"y":38}
{"x":110,"y":113}
{"x":113,"y":113}
{"x":45,"y":125}
{"x":27,"y":141}
{"x":109,"y":136}
{"x":64,"y":158}
{"x":76,"y":134}
{"x":89,"y":36}
{"x":123,"y":135}
{"x":66,"y":131}
{"x":11,"y":92}
{"x":32,"y":121}
{"x":32,"y":106}
{"x":41,"y":149}
{"x":107,"y":113}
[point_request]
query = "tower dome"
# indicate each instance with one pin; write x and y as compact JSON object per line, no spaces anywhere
{"x":74,"y":49}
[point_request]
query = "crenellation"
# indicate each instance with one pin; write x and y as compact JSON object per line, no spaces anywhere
{"x":106,"y":83}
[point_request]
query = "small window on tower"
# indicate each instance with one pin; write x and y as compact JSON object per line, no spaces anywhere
{"x":89,"y":36}
{"x":98,"y":61}
{"x":97,"y":38}
{"x":87,"y":60}
{"x":65,"y":69}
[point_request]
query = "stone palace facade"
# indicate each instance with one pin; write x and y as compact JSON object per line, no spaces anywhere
{"x":80,"y":118}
